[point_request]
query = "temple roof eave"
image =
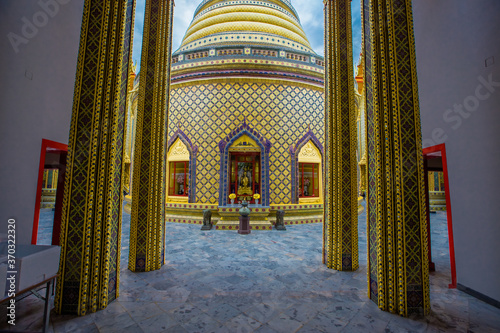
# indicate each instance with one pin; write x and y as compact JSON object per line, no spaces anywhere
{"x":256,"y":44}
{"x":248,"y":79}
{"x":219,"y":66}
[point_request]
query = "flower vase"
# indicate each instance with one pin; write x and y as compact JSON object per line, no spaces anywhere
{"x":256,"y":201}
{"x":232,"y":201}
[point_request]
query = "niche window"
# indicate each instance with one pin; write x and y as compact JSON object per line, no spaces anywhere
{"x":179,"y":178}
{"x":308,"y":180}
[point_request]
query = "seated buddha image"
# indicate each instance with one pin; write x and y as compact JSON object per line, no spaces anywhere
{"x":244,"y":183}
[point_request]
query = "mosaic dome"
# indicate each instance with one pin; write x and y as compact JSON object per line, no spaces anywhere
{"x":241,"y":18}
{"x":229,"y":36}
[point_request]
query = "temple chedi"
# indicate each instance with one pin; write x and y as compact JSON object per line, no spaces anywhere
{"x":246,"y":117}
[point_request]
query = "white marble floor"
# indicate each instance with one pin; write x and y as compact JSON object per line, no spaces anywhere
{"x":268,"y":281}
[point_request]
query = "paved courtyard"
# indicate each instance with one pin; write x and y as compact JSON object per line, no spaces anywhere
{"x":268,"y":281}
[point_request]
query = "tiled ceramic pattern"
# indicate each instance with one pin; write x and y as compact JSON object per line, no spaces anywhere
{"x":239,"y":61}
{"x":247,"y":38}
{"x":262,"y":282}
{"x":274,"y":111}
{"x":233,"y":3}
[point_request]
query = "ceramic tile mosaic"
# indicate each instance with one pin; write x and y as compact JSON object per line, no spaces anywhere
{"x":275,"y":112}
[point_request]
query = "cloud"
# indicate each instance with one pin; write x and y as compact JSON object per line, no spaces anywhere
{"x":312,"y":21}
{"x":310,"y":15}
{"x":183,"y":15}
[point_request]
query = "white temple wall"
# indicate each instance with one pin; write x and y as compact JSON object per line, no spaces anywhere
{"x":38,"y":54}
{"x":458,"y":53}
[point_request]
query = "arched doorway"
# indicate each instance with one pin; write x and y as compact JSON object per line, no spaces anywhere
{"x":245,"y":169}
{"x":181,"y":169}
{"x":307,"y":170}
{"x":244,"y":166}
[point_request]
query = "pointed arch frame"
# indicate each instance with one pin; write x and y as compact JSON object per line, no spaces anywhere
{"x":193,"y":151}
{"x":294,"y":155}
{"x":265,"y":147}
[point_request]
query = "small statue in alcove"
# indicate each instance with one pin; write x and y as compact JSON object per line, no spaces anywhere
{"x":180,"y":181}
{"x":306,"y":187}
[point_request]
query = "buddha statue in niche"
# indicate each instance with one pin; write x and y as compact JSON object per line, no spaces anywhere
{"x":244,"y":182}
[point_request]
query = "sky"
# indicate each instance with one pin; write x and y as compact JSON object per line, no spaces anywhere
{"x":310,"y":15}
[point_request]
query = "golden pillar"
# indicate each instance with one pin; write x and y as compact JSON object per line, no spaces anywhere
{"x":432,"y":184}
{"x":398,"y":270}
{"x":341,"y":206}
{"x":147,"y":226}
{"x":128,"y":130}
{"x":362,"y":173}
{"x":91,"y":217}
{"x":45,"y":178}
{"x":55,"y":174}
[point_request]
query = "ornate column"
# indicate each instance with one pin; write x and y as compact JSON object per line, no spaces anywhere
{"x":128,"y":130}
{"x":432,"y":184}
{"x":91,"y":217}
{"x":147,"y":234}
{"x":341,"y":207}
{"x":398,"y":269}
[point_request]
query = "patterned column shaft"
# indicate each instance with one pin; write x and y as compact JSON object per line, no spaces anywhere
{"x":432,"y":184}
{"x":397,"y":236}
{"x":147,"y":243}
{"x":91,"y":217}
{"x":341,"y":211}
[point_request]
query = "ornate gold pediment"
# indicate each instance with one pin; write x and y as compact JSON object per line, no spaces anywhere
{"x":309,"y":153}
{"x":178,"y":152}
{"x":244,"y":143}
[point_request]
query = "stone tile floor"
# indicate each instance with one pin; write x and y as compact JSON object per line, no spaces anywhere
{"x":268,"y":281}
